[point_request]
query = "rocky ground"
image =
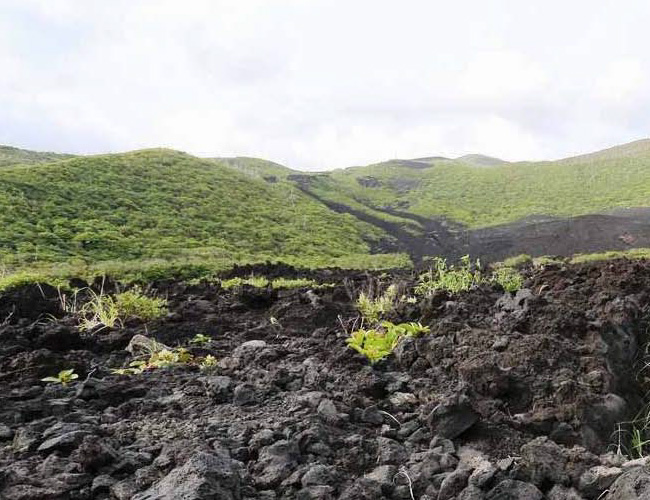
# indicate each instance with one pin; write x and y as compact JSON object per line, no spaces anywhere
{"x":508,"y":397}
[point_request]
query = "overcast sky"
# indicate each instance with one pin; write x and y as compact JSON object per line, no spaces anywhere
{"x":318,"y":84}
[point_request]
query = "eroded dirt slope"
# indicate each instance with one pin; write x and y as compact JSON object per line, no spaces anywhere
{"x":509,"y":396}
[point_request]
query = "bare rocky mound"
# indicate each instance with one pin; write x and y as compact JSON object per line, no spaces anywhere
{"x":510,"y":396}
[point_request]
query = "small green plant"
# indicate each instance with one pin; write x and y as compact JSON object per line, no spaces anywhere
{"x":638,"y":443}
{"x":508,"y":278}
{"x":158,"y":358}
{"x":64,"y":377}
{"x":200,"y":339}
{"x":98,"y":313}
{"x":373,"y":309}
{"x":208,"y":364}
{"x":376,"y":344}
{"x":441,"y":276}
{"x":135,"y":304}
{"x":135,"y":368}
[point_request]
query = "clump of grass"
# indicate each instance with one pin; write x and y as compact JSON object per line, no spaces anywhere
{"x":454,"y":279}
{"x":104,"y":311}
{"x":376,"y":344}
{"x":135,"y":304}
{"x":372,"y":309}
{"x":509,"y":278}
{"x":98,"y":313}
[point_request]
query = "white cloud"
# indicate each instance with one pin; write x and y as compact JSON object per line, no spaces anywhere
{"x":621,"y":81}
{"x":324,"y":83}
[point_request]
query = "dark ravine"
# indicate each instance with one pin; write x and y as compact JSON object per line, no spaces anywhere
{"x":509,"y":396}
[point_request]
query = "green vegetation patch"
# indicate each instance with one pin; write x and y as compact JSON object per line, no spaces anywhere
{"x":162,"y":205}
{"x":377,"y":343}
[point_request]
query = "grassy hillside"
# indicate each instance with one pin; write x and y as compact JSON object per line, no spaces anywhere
{"x":502,"y":192}
{"x":164,"y":204}
{"x":15,"y":156}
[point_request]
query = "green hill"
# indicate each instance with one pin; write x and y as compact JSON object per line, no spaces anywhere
{"x":502,"y":193}
{"x":162,"y":204}
{"x":165,"y":208}
{"x":15,"y":156}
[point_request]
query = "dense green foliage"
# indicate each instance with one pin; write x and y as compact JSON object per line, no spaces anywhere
{"x":161,"y":204}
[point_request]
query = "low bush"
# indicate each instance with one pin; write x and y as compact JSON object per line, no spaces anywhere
{"x":135,"y":304}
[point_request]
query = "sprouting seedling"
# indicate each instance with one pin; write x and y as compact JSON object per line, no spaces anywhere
{"x":201,"y":339}
{"x":64,"y":377}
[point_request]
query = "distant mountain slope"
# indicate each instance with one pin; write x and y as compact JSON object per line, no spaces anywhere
{"x":162,"y":203}
{"x":502,"y":193}
{"x":481,"y":160}
{"x":635,"y":149}
{"x":15,"y":156}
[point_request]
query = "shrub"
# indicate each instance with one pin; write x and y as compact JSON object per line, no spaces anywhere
{"x":135,"y":304}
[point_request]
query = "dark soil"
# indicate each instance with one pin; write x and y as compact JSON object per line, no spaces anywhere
{"x":509,"y":396}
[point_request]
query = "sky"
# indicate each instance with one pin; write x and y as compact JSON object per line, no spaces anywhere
{"x":320,"y":84}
